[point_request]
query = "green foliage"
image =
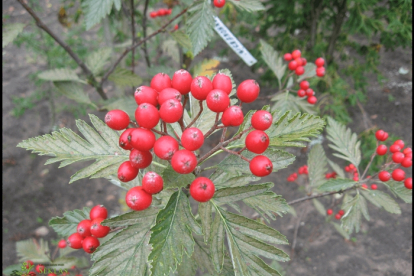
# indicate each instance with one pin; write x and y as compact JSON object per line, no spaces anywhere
{"x":124,"y":77}
{"x":248,"y":5}
{"x":96,"y":10}
{"x":353,"y":208}
{"x":317,"y":166}
{"x":67,"y":224}
{"x":10,"y":32}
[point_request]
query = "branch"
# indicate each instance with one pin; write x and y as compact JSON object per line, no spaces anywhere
{"x":236,"y":153}
{"x":144,"y":30}
{"x":198,"y":115}
{"x":85,"y":69}
{"x":320,"y":195}
{"x":370,"y":162}
{"x":133,"y":35}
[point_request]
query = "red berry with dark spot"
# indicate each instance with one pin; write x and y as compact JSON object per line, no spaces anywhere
{"x":400,"y":143}
{"x":40,"y":268}
{"x":200,"y":87}
{"x":395,"y":148}
{"x":312,"y":100}
{"x":169,"y":93}
{"x":217,"y":100}
{"x":262,"y":120}
{"x":407,"y":162}
{"x":182,"y":79}
{"x":140,"y":159}
{"x":160,"y":81}
{"x":382,"y":149}
{"x":62,"y":244}
{"x":248,"y":91}
{"x":145,"y":94}
{"x":165,"y":147}
{"x":171,"y":111}
{"x":202,"y":189}
{"x":192,"y":139}
{"x":99,"y":230}
{"x":147,"y":115}
{"x":296,"y":54}
{"x":304,"y":85}
{"x":83,"y":227}
{"x":75,"y":241}
{"x":219,"y":3}
{"x":184,"y":161}
{"x":232,"y":116}
{"x":142,"y":139}
{"x":384,"y":176}
{"x":319,"y":62}
{"x":222,"y":82}
{"x":127,"y":172}
{"x":124,"y":139}
{"x":398,"y":175}
{"x":292,"y":65}
{"x":117,"y":119}
{"x":408,"y":183}
{"x":257,"y":141}
{"x":137,"y":199}
{"x":374,"y":187}
{"x":90,"y":244}
{"x":329,"y":212}
{"x":299,"y":70}
{"x":99,"y":211}
{"x":287,"y":56}
{"x":301,"y":93}
{"x":152,"y":183}
{"x":261,"y":166}
{"x":398,"y":157}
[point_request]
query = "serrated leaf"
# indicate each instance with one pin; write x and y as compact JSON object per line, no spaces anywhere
{"x":336,"y":184}
{"x":126,"y":253}
{"x":319,"y":207}
{"x":216,"y":242}
{"x":268,"y":205}
{"x":272,"y":59}
{"x":127,"y":104}
{"x":173,"y":179}
{"x":66,"y":225}
{"x":294,"y":131}
{"x":317,"y":166}
{"x":73,"y":91}
{"x":206,"y":119}
{"x":336,"y":169}
{"x":96,"y":10}
{"x":204,"y":211}
{"x":35,"y":251}
{"x":287,"y":101}
{"x":182,"y":39}
{"x":398,"y":189}
{"x":227,"y":195}
{"x":340,"y":230}
{"x":61,"y":74}
{"x":9,"y":270}
{"x":225,"y":179}
{"x":343,"y":141}
{"x":10,"y":32}
{"x":248,"y":5}
{"x":67,"y":147}
{"x":353,"y":209}
{"x":310,"y":72}
{"x":200,"y":25}
{"x":381,"y":199}
{"x":172,"y":235}
{"x":124,"y":77}
{"x":207,"y":67}
{"x":131,"y":218}
{"x":96,"y":60}
{"x":170,"y":48}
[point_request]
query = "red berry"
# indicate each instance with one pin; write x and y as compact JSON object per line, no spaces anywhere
{"x":287,"y":56}
{"x":398,"y":175}
{"x":90,"y":244}
{"x":262,"y":120}
{"x":298,"y":61}
{"x":192,"y":139}
{"x":145,"y":94}
{"x":99,"y":211}
{"x":351,"y":166}
{"x":257,"y":141}
{"x":219,"y":3}
{"x":320,"y":71}
{"x":248,"y":91}
{"x":299,"y":70}
{"x":408,"y":183}
{"x":232,"y":116}
{"x":140,"y":159}
{"x":400,"y":143}
{"x":147,"y":115}
{"x":160,"y":81}
{"x":328,"y":175}
{"x":301,"y":93}
{"x":99,"y":230}
{"x":338,"y":216}
{"x":384,"y":176}
{"x":169,"y":11}
{"x":29,"y":263}
{"x":292,"y":65}
{"x":137,"y":199}
{"x":310,"y":92}
{"x":152,"y":183}
{"x":75,"y":241}
{"x":182,"y":79}
{"x":127,"y":172}
{"x":290,"y":179}
{"x":184,"y":161}
{"x":165,"y":147}
{"x":40,"y":268}
{"x":261,"y":166}
{"x":407,"y":151}
{"x":304,"y":85}
{"x":217,"y":100}
{"x":171,"y":111}
{"x":176,"y":28}
{"x":407,"y":162}
{"x":222,"y":82}
{"x":142,"y":139}
{"x":374,"y":187}
{"x":329,"y":212}
{"x":312,"y":99}
{"x":355,"y":178}
{"x":200,"y":87}
{"x":364,"y":186}
{"x":202,"y":189}
{"x":347,"y":169}
{"x":169,"y":93}
{"x":62,"y":244}
{"x":153,"y":14}
{"x":296,"y":54}
{"x":382,"y":149}
{"x":125,"y":138}
{"x":304,"y":61}
{"x":83,"y":228}
{"x":380,"y":135}
{"x":398,"y":157}
{"x":319,"y":62}
{"x":341,"y":212}
{"x":395,"y":148}
{"x":53,"y":274}
{"x":117,"y":119}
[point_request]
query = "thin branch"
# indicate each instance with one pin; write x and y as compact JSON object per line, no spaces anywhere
{"x":144,"y":30}
{"x":235,"y":153}
{"x":91,"y":79}
{"x":223,"y":135}
{"x":320,"y":195}
{"x":370,"y":161}
{"x":133,"y":35}
{"x":198,"y":115}
{"x":159,"y":132}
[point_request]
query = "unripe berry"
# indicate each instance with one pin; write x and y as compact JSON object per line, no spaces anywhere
{"x":165,"y":147}
{"x":169,"y":93}
{"x":217,"y":100}
{"x":232,"y":116}
{"x":140,"y":159}
{"x":312,"y":100}
{"x":408,"y":183}
{"x":117,"y":119}
{"x":137,"y":199}
{"x":171,"y":111}
{"x":261,"y":120}
{"x":192,"y":139}
{"x":299,"y":70}
{"x":301,"y":93}
{"x":202,"y":189}
{"x":219,"y":3}
{"x":304,"y":85}
{"x":200,"y":87}
{"x":341,"y":212}
{"x":320,"y":71}
{"x":222,"y":82}
{"x":261,"y":166}
{"x":99,"y":211}
{"x":184,"y":161}
{"x":127,"y":172}
{"x":99,"y":230}
{"x":319,"y":62}
{"x":160,"y":81}
{"x":257,"y":141}
{"x":287,"y":56}
{"x":374,"y":187}
{"x":398,"y":157}
{"x":145,"y":94}
{"x":384,"y":176}
{"x":147,"y":115}
{"x":124,"y":139}
{"x":182,"y":79}
{"x":407,"y":162}
{"x":296,"y":54}
{"x":142,"y":139}
{"x":400,"y":143}
{"x":395,"y":148}
{"x":398,"y":175}
{"x":382,"y":149}
{"x":329,"y":212}
{"x":292,"y":65}
{"x":152,"y":183}
{"x":90,"y":244}
{"x":40,"y":268}
{"x":62,"y":244}
{"x":248,"y":91}
{"x":84,"y":228}
{"x":75,"y":241}
{"x":310,"y":92}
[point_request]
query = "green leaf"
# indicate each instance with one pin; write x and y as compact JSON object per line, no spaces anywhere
{"x":96,"y":10}
{"x":289,"y":102}
{"x":182,"y":38}
{"x":336,"y":169}
{"x":170,"y":48}
{"x":336,"y":184}
{"x":124,"y":77}
{"x":62,"y":74}
{"x":66,"y":225}
{"x":204,"y":211}
{"x":310,"y":72}
{"x":228,"y":179}
{"x":96,"y":61}
{"x":207,"y":117}
{"x":67,"y":147}
{"x":268,"y":205}
{"x":227,"y":195}
{"x":248,"y":5}
{"x":294,"y":131}
{"x":381,"y":199}
{"x":127,"y":104}
{"x":126,"y":253}
{"x":10,"y":32}
{"x":340,"y":230}
{"x":172,"y":235}
{"x":131,"y":218}
{"x":398,"y":189}
{"x":73,"y":91}
{"x":200,"y":25}
{"x":173,"y":179}
{"x":36,"y":252}
{"x":353,"y":208}
{"x":9,"y":270}
{"x":343,"y":141}
{"x":319,"y":207}
{"x":317,"y":166}
{"x":273,"y":60}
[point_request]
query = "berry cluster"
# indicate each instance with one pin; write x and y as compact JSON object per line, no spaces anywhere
{"x":338,"y":215}
{"x":219,"y":3}
{"x":160,"y":12}
{"x":330,"y":175}
{"x":161,"y":101}
{"x":306,"y":91}
{"x":373,"y":186}
{"x":301,"y":170}
{"x":352,"y":169}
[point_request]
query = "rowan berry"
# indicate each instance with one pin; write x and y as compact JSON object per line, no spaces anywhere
{"x":261,"y":166}
{"x":84,"y":228}
{"x":329,"y":212}
{"x":99,"y":211}
{"x":168,"y":93}
{"x":202,"y":189}
{"x":99,"y":230}
{"x":299,"y":70}
{"x":219,"y":3}
{"x":142,"y":139}
{"x":292,"y":65}
{"x":153,"y":14}
{"x":395,"y":148}
{"x":184,"y":161}
{"x":140,"y":159}
{"x":217,"y":100}
{"x":304,"y":85}
{"x":407,"y":162}
{"x":398,"y":175}
{"x":400,"y":143}
{"x":160,"y":81}
{"x":257,"y":141}
{"x":146,"y":115}
{"x":138,"y":199}
{"x":248,"y":91}
{"x":310,"y":92}
{"x":75,"y":241}
{"x":165,"y":147}
{"x":261,"y":120}
{"x":384,"y":176}
{"x":341,"y":212}
{"x":312,"y":100}
{"x":171,"y":111}
{"x":296,"y":54}
{"x":398,"y":157}
{"x":40,"y":268}
{"x":338,"y":216}
{"x":320,"y":71}
{"x":301,"y":93}
{"x":90,"y":244}
{"x":379,"y":135}
{"x":382,"y":149}
{"x":408,"y":183}
{"x":182,"y":79}
{"x":232,"y":116}
{"x":62,"y":244}
{"x":152,"y":183}
{"x":287,"y":56}
{"x":29,"y":263}
{"x":117,"y":119}
{"x":304,"y":61}
{"x":319,"y":62}
{"x":176,"y":28}
{"x":222,"y":82}
{"x":52,"y":274}
{"x":355,"y":178}
{"x":408,"y":151}
{"x":127,"y":172}
{"x":298,"y":61}
{"x":192,"y":139}
{"x":364,"y":186}
{"x":374,"y":187}
{"x":125,"y":138}
{"x":145,"y":94}
{"x":200,"y":87}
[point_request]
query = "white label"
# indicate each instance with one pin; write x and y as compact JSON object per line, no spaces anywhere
{"x":233,"y":42}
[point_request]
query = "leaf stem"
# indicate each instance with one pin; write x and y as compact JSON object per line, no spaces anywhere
{"x":158,"y":164}
{"x":321,"y":195}
{"x":370,"y":161}
{"x":198,"y":115}
{"x":236,"y":153}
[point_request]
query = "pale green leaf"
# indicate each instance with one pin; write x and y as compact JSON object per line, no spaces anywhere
{"x":124,"y":77}
{"x":61,"y":74}
{"x":227,"y":195}
{"x":96,"y":10}
{"x":10,"y":32}
{"x":289,"y":102}
{"x":66,"y":225}
{"x":172,"y":235}
{"x":204,"y":211}
{"x":216,"y":242}
{"x":336,"y":184}
{"x":319,"y":207}
{"x":206,"y":119}
{"x":248,"y":5}
{"x":96,"y":61}
{"x":268,"y":205}
{"x":173,"y":179}
{"x":317,"y":166}
{"x":272,"y":59}
{"x":225,"y":179}
{"x":9,"y":270}
{"x":343,"y":141}
{"x":310,"y":72}
{"x":341,"y":230}
{"x":73,"y":91}
{"x":381,"y":199}
{"x":398,"y":189}
{"x":36,"y":252}
{"x":127,"y":104}
{"x":131,"y":218}
{"x":182,"y":39}
{"x":170,"y":48}
{"x":336,"y":169}
{"x":353,"y":208}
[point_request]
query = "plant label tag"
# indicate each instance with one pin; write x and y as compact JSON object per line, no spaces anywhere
{"x":233,"y":42}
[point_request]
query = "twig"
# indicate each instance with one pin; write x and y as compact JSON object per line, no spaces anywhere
{"x":159,"y":132}
{"x":91,"y":79}
{"x":198,"y":115}
{"x":181,"y":123}
{"x":223,"y":135}
{"x":55,"y":252}
{"x":144,"y":31}
{"x":235,"y":153}
{"x":240,"y":151}
{"x":370,"y":161}
{"x":320,"y":195}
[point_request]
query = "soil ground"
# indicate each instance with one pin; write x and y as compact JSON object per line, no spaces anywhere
{"x":33,"y":193}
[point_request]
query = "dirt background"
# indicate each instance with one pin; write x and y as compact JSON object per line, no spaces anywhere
{"x":33,"y":193}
